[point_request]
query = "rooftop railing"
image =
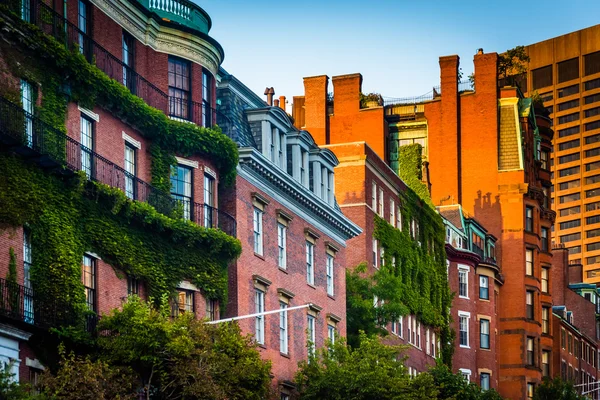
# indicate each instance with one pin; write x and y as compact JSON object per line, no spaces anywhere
{"x":180,"y":11}
{"x":28,"y":134}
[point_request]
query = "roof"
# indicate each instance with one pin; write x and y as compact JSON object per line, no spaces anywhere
{"x":452,"y":214}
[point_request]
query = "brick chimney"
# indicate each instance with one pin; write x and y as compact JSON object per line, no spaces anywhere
{"x":282,"y":101}
{"x":270,"y":92}
{"x":449,"y":139}
{"x":315,"y":107}
{"x":346,"y":91}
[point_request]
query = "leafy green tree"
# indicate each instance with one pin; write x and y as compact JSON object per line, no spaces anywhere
{"x":557,"y":389}
{"x":512,"y":62}
{"x":183,"y":358}
{"x":370,"y":371}
{"x":9,"y":388}
{"x":455,"y":387}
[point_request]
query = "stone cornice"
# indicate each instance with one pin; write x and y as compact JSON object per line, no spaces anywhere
{"x":303,"y":201}
{"x":163,"y":37}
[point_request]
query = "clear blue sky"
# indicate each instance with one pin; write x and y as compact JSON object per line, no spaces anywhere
{"x":394,"y":44}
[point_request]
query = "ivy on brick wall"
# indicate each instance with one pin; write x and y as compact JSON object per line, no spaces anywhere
{"x":413,"y":278}
{"x":68,"y":216}
{"x":410,"y":169}
{"x":89,"y":86}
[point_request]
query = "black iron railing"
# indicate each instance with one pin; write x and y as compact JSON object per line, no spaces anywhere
{"x":29,"y":134}
{"x":53,"y":24}
{"x":16,"y":302}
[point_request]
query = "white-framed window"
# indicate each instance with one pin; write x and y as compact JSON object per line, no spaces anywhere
{"x":399,"y":217}
{"x":27,"y":101}
{"x":484,"y":333}
{"x":210,"y":216}
{"x":427,"y":341}
{"x":433,"y":343}
{"x":330,"y":276}
{"x":484,"y":287}
{"x":380,"y":203}
{"x":484,"y":381}
{"x":258,"y":231}
{"x":130,"y":168}
{"x":87,"y":145}
{"x":375,"y":253}
{"x":414,"y":330}
{"x":259,"y":307}
{"x":374,"y":196}
{"x":331,"y":333}
{"x":419,"y":335}
{"x":283,"y":328}
{"x":466,"y":373}
{"x":545,"y":275}
{"x":381,"y":256}
{"x":181,"y":188}
{"x":463,"y":328}
{"x":310,"y":263}
{"x":392,"y":212}
{"x":529,"y":262}
{"x":311,"y":334}
{"x":409,"y":327}
{"x":463,"y":282}
{"x":281,"y":244}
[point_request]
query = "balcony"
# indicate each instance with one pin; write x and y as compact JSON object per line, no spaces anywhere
{"x":180,"y":11}
{"x":65,"y":32}
{"x":50,"y":148}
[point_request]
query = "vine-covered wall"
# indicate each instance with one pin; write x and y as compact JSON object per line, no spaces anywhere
{"x":68,"y":215}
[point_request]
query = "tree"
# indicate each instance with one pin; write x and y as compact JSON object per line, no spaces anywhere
{"x":556,"y":389}
{"x":512,"y":62}
{"x":372,"y":370}
{"x":455,"y":387}
{"x":181,"y":357}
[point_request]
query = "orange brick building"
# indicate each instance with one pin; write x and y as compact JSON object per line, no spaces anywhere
{"x":482,"y":146}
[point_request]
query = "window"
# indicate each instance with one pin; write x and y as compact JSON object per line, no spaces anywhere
{"x":281,"y":245}
{"x":529,"y":219}
{"x":569,"y":118}
{"x":544,"y":159}
{"x":529,"y":262}
{"x":259,"y":307}
{"x":28,"y":291}
{"x":591,"y":233}
{"x":570,"y":344}
{"x":311,"y":335}
{"x":179,"y":88}
{"x":545,"y":239}
{"x":570,"y":224}
{"x":574,"y":250}
{"x":83,"y":25}
{"x":414,"y":330}
{"x":484,"y":381}
{"x":330,"y":277}
{"x":593,"y":260}
{"x":133,"y":285}
{"x":477,"y":244}
{"x":89,"y":282}
{"x":401,"y":326}
{"x":463,"y":283}
{"x":546,"y":320}
{"x":128,"y":62}
{"x":374,"y":196}
{"x":206,"y":99}
{"x":569,"y":158}
{"x":185,"y":301}
{"x":380,"y":203}
{"x":568,"y":131}
{"x":427,"y":341}
{"x":530,"y":390}
{"x":212,"y":309}
{"x":530,"y":350}
{"x":593,"y":84}
{"x":592,"y":206}
{"x":570,"y":211}
{"x":484,"y":333}
{"x":529,"y":304}
{"x":571,"y":237}
{"x":569,"y":197}
{"x":592,"y":112}
{"x":283,"y":328}
{"x":331,"y":333}
{"x":392,"y":213}
{"x":409,"y":327}
{"x":375,"y":253}
{"x":310,"y":267}
{"x":463,"y":319}
{"x":466,"y":374}
{"x":563,"y":338}
{"x":591,"y":63}
{"x":592,"y":193}
{"x":571,"y":144}
{"x":258,"y":231}
{"x":87,"y":145}
{"x":130,"y":169}
{"x":418,"y":334}
{"x":542,"y":77}
{"x":181,"y":188}
{"x":592,"y":125}
{"x":545,"y":363}
{"x":27,"y":101}
{"x":399,"y":218}
{"x":545,"y":275}
{"x":569,"y":184}
{"x":484,"y":291}
{"x":592,"y":220}
{"x":592,"y":99}
{"x":590,"y":180}
{"x":209,"y":201}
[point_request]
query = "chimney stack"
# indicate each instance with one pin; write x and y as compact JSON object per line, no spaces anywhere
{"x":270,"y":92}
{"x":282,"y":102}
{"x":276,"y":103}
{"x":480,"y":51}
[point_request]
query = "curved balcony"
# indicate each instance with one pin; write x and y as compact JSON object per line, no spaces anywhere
{"x":183,"y":12}
{"x":51,"y":148}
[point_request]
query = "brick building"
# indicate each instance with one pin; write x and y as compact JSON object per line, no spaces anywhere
{"x":167,"y":59}
{"x":565,"y":72}
{"x":474,"y":277}
{"x":459,"y":125}
{"x":292,"y":230}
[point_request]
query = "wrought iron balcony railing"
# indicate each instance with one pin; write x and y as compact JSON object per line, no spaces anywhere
{"x":29,"y":134}
{"x":53,"y":24}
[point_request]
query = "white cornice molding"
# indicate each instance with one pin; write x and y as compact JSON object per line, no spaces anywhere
{"x":161,"y":38}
